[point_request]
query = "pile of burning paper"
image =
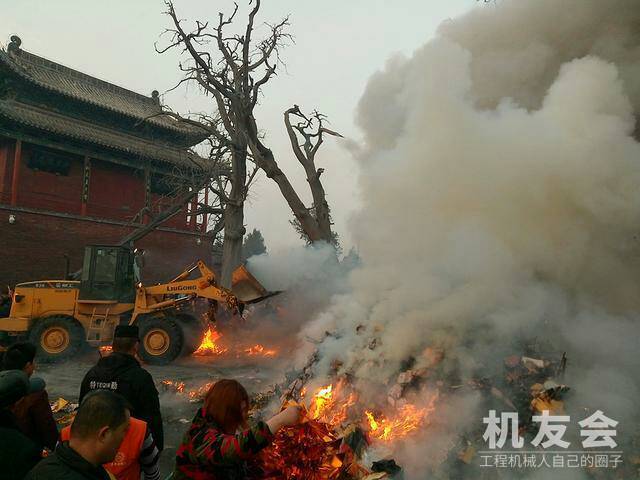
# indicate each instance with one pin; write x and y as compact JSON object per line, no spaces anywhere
{"x":312,"y":450}
{"x":335,"y":432}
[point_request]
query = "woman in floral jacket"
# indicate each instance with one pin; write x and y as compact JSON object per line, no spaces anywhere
{"x":219,"y":441}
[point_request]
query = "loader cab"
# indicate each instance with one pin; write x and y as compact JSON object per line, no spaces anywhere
{"x":108,"y":274}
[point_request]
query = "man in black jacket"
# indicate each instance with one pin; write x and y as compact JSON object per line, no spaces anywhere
{"x":96,"y":433}
{"x":122,"y":373}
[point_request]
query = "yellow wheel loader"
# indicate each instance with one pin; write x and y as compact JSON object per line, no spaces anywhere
{"x":61,"y":316}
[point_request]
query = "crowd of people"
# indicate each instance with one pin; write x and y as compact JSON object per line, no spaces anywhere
{"x":117,"y":432}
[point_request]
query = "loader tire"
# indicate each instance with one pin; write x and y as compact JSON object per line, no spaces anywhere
{"x":193,"y":331}
{"x":161,"y":339}
{"x":57,"y":338}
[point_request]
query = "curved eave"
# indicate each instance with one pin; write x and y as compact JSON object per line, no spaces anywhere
{"x":34,"y":117}
{"x":165,"y":123}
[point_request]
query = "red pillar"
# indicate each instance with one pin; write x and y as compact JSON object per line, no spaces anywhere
{"x":15,"y":180}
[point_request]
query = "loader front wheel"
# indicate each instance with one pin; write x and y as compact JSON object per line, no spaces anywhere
{"x":57,"y":338}
{"x":161,"y":340}
{"x":193,"y":332}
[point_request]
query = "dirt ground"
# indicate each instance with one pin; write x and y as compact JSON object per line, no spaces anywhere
{"x":256,"y":374}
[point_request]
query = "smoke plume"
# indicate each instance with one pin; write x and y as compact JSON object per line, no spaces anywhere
{"x":501,"y":188}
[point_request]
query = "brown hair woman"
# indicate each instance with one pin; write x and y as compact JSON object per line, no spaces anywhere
{"x":219,"y":441}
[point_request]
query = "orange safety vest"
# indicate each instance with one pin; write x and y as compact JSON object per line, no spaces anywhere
{"x":126,"y":465}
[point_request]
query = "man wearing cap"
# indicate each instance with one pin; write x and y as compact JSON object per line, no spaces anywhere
{"x":121,"y":372}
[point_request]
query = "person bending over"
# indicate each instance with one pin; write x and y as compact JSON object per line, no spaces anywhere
{"x":219,"y":441}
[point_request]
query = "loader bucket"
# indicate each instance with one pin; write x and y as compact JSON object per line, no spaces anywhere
{"x":247,"y":288}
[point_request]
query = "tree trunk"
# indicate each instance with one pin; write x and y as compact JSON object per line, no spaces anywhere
{"x":263,"y":157}
{"x":306,"y":158}
{"x":321,"y":207}
{"x":234,"y":216}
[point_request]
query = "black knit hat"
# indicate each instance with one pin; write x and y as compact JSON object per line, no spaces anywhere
{"x":127,"y":331}
{"x":14,"y":384}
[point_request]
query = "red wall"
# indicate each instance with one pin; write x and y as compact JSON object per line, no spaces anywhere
{"x":6,"y":169}
{"x":57,"y":193}
{"x":33,"y":248}
{"x":115,"y":191}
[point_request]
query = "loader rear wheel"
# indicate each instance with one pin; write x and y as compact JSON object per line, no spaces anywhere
{"x":161,"y":340}
{"x":57,"y":338}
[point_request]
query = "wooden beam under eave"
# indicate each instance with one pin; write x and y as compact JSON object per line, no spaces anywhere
{"x":15,"y":178}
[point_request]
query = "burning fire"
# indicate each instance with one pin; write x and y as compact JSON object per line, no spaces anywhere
{"x":321,"y":400}
{"x":408,"y":419}
{"x":173,"y":385}
{"x":209,"y":345}
{"x":195,"y":395}
{"x":105,"y":350}
{"x":333,"y":406}
{"x":259,"y":350}
{"x":199,"y":393}
{"x":329,"y":406}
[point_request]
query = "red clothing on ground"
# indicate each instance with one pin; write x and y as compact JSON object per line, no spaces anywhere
{"x":34,"y":418}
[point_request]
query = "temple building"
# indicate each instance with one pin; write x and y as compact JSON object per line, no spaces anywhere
{"x":83,"y":161}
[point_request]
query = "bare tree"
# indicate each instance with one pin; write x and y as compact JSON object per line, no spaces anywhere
{"x":234,"y":78}
{"x":306,"y":136}
{"x":201,"y":184}
{"x":233,"y":74}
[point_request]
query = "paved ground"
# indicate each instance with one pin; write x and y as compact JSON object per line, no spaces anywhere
{"x":256,"y":374}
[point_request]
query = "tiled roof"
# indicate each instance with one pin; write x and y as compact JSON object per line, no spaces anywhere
{"x":64,"y":80}
{"x":73,"y":128}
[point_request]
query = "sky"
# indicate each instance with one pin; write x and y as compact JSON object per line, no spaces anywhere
{"x":338,"y":45}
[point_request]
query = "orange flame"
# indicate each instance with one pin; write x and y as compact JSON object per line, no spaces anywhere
{"x":259,"y":350}
{"x":105,"y":350}
{"x":174,"y":385}
{"x":209,"y":345}
{"x":408,"y":419}
{"x":372,"y":421}
{"x":329,"y":406}
{"x":321,"y":400}
{"x":199,"y":393}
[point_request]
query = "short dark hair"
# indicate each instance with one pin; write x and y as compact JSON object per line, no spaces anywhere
{"x":100,"y":408}
{"x":18,"y":355}
{"x":123,"y":344}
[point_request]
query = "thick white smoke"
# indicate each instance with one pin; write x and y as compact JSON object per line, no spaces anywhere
{"x":307,"y":277}
{"x":501,"y":191}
